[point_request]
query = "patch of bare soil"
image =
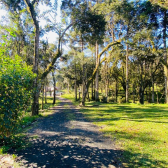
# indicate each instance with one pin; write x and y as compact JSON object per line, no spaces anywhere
{"x":58,"y":142}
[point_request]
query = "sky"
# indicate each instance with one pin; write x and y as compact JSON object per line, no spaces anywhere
{"x":2,"y":12}
{"x":50,"y":36}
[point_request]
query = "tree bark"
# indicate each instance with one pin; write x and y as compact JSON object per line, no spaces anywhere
{"x":88,"y":97}
{"x":106,"y":80}
{"x":149,"y":94}
{"x":116,"y":90}
{"x":75,"y":84}
{"x":83,"y":78}
{"x":31,"y":10}
{"x":75,"y":91}
{"x":42,"y":105}
{"x":141,"y":89}
{"x":165,"y":56}
{"x":153,"y":91}
{"x":45,"y":92}
{"x":79,"y":95}
{"x":97,"y":76}
{"x":35,"y":105}
{"x":54,"y":85}
{"x":133,"y":92}
{"x":157,"y":94}
{"x":141,"y":92}
{"x":126,"y":93}
{"x":92,"y":90}
{"x":84,"y":96}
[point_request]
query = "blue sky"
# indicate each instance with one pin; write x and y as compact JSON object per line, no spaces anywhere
{"x":50,"y":36}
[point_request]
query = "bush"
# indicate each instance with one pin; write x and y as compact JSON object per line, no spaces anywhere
{"x":16,"y":85}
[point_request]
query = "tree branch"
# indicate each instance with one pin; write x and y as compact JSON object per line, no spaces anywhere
{"x":97,"y":66}
{"x":31,"y":11}
{"x":33,"y":2}
{"x":51,"y":65}
{"x":65,"y":30}
{"x":164,"y":62}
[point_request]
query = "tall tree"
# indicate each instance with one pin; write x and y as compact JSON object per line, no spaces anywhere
{"x":33,"y":14}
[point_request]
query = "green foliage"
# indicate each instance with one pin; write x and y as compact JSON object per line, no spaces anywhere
{"x":14,"y":142}
{"x":89,"y":23}
{"x":27,"y":120}
{"x":16,"y":84}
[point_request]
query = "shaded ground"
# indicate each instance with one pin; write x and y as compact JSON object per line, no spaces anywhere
{"x":59,"y":142}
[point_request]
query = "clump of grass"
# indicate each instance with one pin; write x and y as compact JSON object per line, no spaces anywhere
{"x":28,"y":119}
{"x":139,"y":130}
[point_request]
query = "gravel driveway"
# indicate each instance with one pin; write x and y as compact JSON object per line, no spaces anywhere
{"x":62,"y":143}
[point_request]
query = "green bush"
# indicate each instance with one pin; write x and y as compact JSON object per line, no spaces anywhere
{"x":16,"y":86}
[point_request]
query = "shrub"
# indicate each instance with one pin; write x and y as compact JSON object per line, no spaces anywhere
{"x":16,"y":85}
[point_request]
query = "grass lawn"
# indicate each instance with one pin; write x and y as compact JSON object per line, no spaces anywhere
{"x":141,"y":131}
{"x":70,"y":96}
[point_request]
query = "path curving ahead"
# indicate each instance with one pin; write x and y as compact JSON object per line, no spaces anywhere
{"x":61,"y":143}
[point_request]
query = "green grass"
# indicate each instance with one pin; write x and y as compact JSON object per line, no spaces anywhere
{"x":49,"y":103}
{"x":70,"y":96}
{"x":141,"y":131}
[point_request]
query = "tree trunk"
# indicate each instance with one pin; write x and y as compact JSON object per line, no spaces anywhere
{"x":141,"y":89}
{"x":42,"y":105}
{"x":45,"y":93}
{"x":54,"y":98}
{"x":116,"y":90}
{"x":35,"y":105}
{"x":79,"y":95}
{"x":95,"y":70}
{"x":92,"y":91}
{"x":149,"y":95}
{"x":106,"y":80}
{"x":54,"y":85}
{"x":141,"y":94}
{"x":126,"y":93}
{"x":106,"y":92}
{"x":75,"y":84}
{"x":165,"y":56}
{"x":157,"y":94}
{"x":97,"y":76}
{"x":84,"y":96}
{"x":31,"y":10}
{"x":153,"y":92}
{"x":133,"y":92}
{"x":83,"y":76}
{"x":88,"y":96}
{"x":76,"y":98}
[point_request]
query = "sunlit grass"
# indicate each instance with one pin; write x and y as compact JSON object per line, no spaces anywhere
{"x":141,"y":131}
{"x":70,"y":96}
{"x":48,"y":104}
